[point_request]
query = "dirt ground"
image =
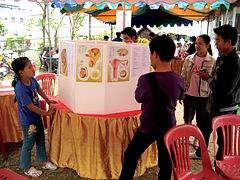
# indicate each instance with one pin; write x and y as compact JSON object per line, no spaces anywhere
{"x":14,"y":149}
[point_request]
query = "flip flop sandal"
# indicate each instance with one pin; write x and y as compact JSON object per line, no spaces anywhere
{"x":50,"y":166}
{"x":33,"y":172}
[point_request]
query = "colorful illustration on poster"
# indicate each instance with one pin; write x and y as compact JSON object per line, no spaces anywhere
{"x":118,"y":64}
{"x":89,"y":64}
{"x":63,"y":62}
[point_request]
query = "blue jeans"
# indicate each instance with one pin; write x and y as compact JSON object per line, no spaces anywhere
{"x":28,"y":143}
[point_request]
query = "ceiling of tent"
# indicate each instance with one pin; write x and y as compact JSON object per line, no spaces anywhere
{"x":146,"y":16}
{"x":149,"y":2}
{"x":159,"y":13}
{"x":140,"y":16}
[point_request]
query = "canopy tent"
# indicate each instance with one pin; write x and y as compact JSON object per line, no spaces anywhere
{"x":106,"y":10}
{"x":149,"y":2}
{"x":178,"y":13}
{"x":140,"y":16}
{"x":146,"y":16}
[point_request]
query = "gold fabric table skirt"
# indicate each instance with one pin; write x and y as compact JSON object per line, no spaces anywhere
{"x":10,"y":128}
{"x":94,"y":146}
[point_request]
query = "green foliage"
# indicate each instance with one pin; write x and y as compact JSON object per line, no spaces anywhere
{"x":76,"y":21}
{"x":40,"y":47}
{"x":3,"y":30}
{"x":10,"y":43}
{"x":100,"y":36}
{"x":32,"y":23}
{"x":18,"y":44}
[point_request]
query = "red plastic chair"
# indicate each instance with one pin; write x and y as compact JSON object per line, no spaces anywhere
{"x":180,"y":152}
{"x":47,"y":82}
{"x":2,"y":147}
{"x":7,"y":174}
{"x":229,"y":166}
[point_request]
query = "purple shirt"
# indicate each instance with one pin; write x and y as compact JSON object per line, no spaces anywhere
{"x":172,"y":85}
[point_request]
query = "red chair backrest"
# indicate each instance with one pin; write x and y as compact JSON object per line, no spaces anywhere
{"x":48,"y":83}
{"x":177,"y":143}
{"x":230,"y":125}
{"x":7,"y":174}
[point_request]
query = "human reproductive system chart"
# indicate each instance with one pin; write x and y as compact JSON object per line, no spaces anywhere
{"x":89,"y":63}
{"x":118,"y":64}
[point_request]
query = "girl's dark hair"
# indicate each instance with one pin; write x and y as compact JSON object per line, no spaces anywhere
{"x":207,"y":40}
{"x":18,"y":65}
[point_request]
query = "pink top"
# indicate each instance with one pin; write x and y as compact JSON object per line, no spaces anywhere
{"x":194,"y":82}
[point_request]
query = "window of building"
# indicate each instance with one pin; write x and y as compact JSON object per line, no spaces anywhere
{"x":21,"y":20}
{"x":13,"y":19}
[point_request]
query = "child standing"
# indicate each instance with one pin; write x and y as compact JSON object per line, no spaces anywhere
{"x":29,"y":113}
{"x":158,"y":92}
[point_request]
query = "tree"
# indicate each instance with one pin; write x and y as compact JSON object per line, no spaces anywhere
{"x":18,"y":44}
{"x":76,"y":21}
{"x":3,"y":30}
{"x":43,"y":20}
{"x":55,"y":24}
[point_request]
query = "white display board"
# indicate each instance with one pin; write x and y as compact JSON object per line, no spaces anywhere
{"x":99,"y":77}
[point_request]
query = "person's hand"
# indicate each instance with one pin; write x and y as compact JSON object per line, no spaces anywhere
{"x":204,"y":75}
{"x":51,"y":101}
{"x":51,"y":110}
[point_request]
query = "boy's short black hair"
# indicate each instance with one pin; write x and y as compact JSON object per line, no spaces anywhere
{"x":130,"y":32}
{"x":164,"y":47}
{"x":227,"y":32}
{"x":106,"y":37}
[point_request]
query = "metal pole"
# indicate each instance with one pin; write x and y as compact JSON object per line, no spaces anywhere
{"x":89,"y":33}
{"x":208,"y":23}
{"x":50,"y":44}
{"x":225,"y":17}
{"x":124,"y":13}
{"x":111,"y":32}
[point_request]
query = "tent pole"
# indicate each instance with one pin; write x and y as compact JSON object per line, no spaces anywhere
{"x":124,"y":14}
{"x":50,"y":45}
{"x":225,"y":18}
{"x":89,"y":32}
{"x":208,"y":24}
{"x":111,"y":32}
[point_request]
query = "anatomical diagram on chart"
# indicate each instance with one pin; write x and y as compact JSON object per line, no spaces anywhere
{"x":89,"y":63}
{"x":118,"y":64}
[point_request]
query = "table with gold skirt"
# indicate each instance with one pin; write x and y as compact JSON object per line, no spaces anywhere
{"x":11,"y":130}
{"x":94,"y":145}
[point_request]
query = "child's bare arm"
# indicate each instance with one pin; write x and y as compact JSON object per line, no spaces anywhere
{"x":38,"y":110}
{"x":41,"y":93}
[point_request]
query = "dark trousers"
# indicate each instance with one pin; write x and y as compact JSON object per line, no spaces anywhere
{"x":206,"y":129}
{"x":194,"y":105}
{"x":140,"y":142}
